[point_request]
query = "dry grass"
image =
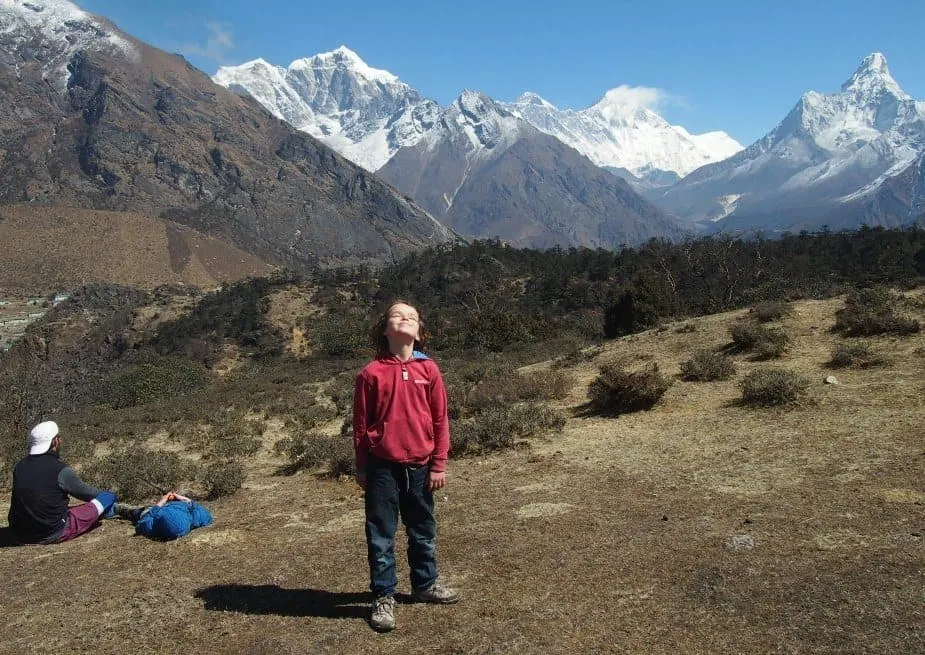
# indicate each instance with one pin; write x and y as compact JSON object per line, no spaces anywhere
{"x":62,"y":247}
{"x":698,"y":527}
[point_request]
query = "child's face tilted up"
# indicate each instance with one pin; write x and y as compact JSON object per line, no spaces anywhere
{"x":403,"y":324}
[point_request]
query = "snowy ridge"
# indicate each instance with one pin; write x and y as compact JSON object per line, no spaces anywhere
{"x":621,"y":132}
{"x":364,"y":113}
{"x":62,"y":28}
{"x":830,"y":150}
{"x":485,"y":124}
{"x":367,"y":114}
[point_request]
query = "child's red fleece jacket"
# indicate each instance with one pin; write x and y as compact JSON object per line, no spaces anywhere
{"x":400,"y":413}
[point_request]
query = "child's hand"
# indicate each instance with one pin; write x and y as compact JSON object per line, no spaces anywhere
{"x":436,"y":480}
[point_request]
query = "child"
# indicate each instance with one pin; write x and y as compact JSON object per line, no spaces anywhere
{"x":172,"y":517}
{"x":402,"y":438}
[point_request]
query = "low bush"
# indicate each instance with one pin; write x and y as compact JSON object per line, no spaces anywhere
{"x":856,"y":355}
{"x":340,"y":391}
{"x":617,"y":391}
{"x":506,"y":387}
{"x":501,"y":427}
{"x":312,"y":449}
{"x":223,"y":478}
{"x":764,"y":342}
{"x":311,"y":417}
{"x":772,"y":386}
{"x":766,"y":312}
{"x":706,"y":365}
{"x":163,"y":378}
{"x":340,"y":336}
{"x":873,"y":311}
{"x":136,"y":472}
{"x":234,"y":436}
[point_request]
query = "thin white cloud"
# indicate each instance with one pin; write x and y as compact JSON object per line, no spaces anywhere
{"x":624,"y":100}
{"x":219,"y":42}
{"x":635,"y":96}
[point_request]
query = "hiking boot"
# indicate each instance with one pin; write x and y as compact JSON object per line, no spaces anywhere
{"x":382,"y":618}
{"x":127,"y":512}
{"x":437,"y":594}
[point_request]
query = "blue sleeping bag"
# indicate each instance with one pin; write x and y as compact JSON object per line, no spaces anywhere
{"x":172,"y":521}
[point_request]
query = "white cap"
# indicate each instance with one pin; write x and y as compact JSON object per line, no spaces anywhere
{"x":40,"y":437}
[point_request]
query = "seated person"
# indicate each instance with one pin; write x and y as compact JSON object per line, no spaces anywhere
{"x":172,"y":517}
{"x":42,"y":486}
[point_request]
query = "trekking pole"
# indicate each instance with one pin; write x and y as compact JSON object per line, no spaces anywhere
{"x":157,"y":488}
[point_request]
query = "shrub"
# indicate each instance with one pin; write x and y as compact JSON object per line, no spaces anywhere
{"x":340,"y":391}
{"x":856,"y":355}
{"x":765,"y":312}
{"x":340,"y":336}
{"x":873,"y":311}
{"x":617,"y":391}
{"x":312,"y":449}
{"x":501,"y":427}
{"x":223,"y":478}
{"x":137,"y":472}
{"x":772,"y":347}
{"x":506,"y":387}
{"x":686,"y":328}
{"x":312,"y":416}
{"x":144,"y":383}
{"x":772,"y":386}
{"x":706,"y":366}
{"x":234,"y":436}
{"x":343,"y":460}
{"x":764,"y":342}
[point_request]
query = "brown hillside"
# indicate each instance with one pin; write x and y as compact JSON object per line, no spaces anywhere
{"x":700,"y":526}
{"x":142,"y":131}
{"x":59,"y":248}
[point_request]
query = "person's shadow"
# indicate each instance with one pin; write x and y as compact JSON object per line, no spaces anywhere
{"x":272,"y":599}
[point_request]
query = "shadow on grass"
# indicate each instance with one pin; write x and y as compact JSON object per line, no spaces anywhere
{"x":272,"y":599}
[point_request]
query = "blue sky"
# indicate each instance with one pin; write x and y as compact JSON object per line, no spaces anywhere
{"x":736,"y":65}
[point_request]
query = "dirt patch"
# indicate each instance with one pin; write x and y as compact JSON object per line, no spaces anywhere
{"x":536,"y":510}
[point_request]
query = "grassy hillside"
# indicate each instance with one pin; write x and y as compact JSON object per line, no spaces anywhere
{"x":60,"y":248}
{"x":702,"y":525}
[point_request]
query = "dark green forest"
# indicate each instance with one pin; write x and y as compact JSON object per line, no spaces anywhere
{"x":489,"y":296}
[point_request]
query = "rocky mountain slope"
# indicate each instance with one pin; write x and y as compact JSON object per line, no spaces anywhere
{"x":367,"y":114}
{"x":486,"y":172}
{"x":825,"y":163}
{"x":97,"y":119}
{"x":458,"y":162}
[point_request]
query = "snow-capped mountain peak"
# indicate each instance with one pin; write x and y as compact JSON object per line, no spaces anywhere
{"x":485,"y":122}
{"x":621,"y":131}
{"x":367,"y":114}
{"x":345,"y":59}
{"x":623,"y":105}
{"x":873,"y":76}
{"x":832,"y":148}
{"x":59,"y":29}
{"x":530,"y":98}
{"x":363,"y":112}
